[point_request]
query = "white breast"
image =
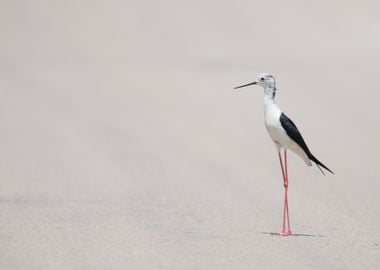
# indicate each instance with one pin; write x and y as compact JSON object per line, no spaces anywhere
{"x":273,"y":125}
{"x":278,"y":134}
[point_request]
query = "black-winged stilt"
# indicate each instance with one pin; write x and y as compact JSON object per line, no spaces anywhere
{"x":285,"y":135}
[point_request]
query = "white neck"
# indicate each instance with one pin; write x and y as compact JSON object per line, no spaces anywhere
{"x":269,"y":95}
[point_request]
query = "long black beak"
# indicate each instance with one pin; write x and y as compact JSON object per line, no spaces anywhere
{"x":252,"y":83}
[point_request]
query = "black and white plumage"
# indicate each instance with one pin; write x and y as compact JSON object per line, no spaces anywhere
{"x":285,"y":135}
{"x":281,"y":128}
{"x":292,"y":131}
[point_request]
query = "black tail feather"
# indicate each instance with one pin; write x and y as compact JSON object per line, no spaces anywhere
{"x":319,"y":164}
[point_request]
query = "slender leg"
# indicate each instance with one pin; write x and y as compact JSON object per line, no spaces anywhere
{"x":286,"y":208}
{"x":286,"y":191}
{"x":285,"y":199}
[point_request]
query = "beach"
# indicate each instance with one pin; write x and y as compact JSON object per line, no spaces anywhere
{"x":124,"y":146}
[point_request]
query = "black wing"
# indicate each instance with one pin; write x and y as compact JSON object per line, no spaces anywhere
{"x":293,"y":132}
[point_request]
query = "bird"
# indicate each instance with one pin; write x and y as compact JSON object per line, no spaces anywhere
{"x":285,"y":135}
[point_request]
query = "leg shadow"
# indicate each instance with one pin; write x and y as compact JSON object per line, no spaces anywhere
{"x":293,"y":234}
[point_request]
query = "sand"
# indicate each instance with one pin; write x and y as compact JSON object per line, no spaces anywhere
{"x":123,"y":145}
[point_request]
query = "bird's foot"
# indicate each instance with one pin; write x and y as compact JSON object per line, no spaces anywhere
{"x":286,"y":233}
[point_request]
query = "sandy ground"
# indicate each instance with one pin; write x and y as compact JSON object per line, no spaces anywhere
{"x":123,"y":145}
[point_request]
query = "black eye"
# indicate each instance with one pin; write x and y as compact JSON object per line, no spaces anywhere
{"x":262,"y":79}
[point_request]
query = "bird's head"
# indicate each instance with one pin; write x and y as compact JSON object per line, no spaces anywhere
{"x":264,"y":79}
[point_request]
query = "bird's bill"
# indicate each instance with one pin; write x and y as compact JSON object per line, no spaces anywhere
{"x":252,"y":83}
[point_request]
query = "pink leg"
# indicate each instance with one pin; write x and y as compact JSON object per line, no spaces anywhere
{"x":286,"y":191}
{"x":286,"y":208}
{"x":285,"y":200}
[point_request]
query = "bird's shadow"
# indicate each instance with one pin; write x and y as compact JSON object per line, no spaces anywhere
{"x":293,"y":234}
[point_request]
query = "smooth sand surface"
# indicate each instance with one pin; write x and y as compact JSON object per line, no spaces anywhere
{"x":123,"y":145}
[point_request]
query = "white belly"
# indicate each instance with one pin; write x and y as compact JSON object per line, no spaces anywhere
{"x":278,"y":134}
{"x":272,"y":123}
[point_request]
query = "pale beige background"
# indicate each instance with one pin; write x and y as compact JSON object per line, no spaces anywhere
{"x":123,"y":145}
